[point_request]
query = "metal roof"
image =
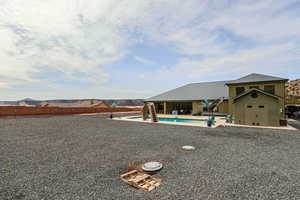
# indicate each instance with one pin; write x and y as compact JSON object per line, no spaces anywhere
{"x":195,"y":91}
{"x":209,"y":90}
{"x":257,"y":78}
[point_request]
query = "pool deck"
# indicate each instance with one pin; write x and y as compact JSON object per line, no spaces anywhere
{"x":219,"y":121}
{"x":129,"y":118}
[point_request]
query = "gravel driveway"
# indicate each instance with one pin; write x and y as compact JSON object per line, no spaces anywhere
{"x":82,"y":157}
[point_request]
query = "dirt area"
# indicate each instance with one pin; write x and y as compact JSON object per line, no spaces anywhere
{"x":82,"y":157}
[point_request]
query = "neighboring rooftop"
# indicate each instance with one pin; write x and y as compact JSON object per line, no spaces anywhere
{"x":257,"y":78}
{"x":195,"y":91}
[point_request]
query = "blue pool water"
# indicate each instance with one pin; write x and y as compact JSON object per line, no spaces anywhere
{"x":165,"y":119}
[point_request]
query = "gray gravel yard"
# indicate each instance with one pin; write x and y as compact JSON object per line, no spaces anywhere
{"x":82,"y":157}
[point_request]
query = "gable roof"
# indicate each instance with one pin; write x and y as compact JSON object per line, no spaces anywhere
{"x":195,"y":91}
{"x":257,"y":90}
{"x":256,"y":78}
{"x":209,"y":90}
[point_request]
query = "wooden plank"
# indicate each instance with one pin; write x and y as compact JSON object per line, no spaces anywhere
{"x":141,"y":180}
{"x":129,"y":173}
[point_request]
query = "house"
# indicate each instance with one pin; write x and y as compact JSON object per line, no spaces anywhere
{"x":255,"y":99}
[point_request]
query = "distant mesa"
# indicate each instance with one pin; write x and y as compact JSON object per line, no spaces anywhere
{"x":92,"y":103}
{"x":28,"y":99}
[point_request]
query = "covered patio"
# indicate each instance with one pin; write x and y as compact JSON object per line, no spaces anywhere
{"x":183,"y":108}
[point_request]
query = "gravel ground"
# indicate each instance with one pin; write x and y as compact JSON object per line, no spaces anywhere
{"x":82,"y":157}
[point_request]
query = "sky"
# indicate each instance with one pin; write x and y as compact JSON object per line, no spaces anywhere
{"x":64,"y":49}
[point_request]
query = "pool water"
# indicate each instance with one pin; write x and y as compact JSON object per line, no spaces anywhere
{"x":167,"y":119}
{"x":164,"y":119}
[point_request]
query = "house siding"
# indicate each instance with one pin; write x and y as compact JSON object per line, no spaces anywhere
{"x":276,"y":110}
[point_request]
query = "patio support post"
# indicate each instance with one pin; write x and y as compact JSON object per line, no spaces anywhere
{"x":165,"y":108}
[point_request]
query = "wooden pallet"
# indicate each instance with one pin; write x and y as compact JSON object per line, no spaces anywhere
{"x":141,"y":180}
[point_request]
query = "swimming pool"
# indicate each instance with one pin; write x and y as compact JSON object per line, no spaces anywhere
{"x":168,"y":119}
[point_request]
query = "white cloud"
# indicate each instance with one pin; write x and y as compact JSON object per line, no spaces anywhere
{"x":67,"y":35}
{"x":203,"y":30}
{"x":260,"y":20}
{"x":4,"y":85}
{"x":188,"y":42}
{"x":144,"y":60}
{"x":71,"y":36}
{"x":260,"y":60}
{"x":85,"y":36}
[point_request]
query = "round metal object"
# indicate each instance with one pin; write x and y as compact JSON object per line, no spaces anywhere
{"x":188,"y":148}
{"x":152,"y":166}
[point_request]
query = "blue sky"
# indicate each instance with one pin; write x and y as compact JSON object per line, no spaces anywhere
{"x":139,"y":48}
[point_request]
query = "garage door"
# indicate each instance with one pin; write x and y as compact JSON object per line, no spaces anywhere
{"x":256,"y":115}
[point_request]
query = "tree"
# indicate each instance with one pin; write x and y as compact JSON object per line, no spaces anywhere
{"x":206,"y":104}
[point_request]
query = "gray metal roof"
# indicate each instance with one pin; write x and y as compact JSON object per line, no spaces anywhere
{"x":209,"y":90}
{"x":195,"y":91}
{"x":257,"y":78}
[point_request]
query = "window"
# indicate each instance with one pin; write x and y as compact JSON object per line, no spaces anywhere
{"x":249,"y":106}
{"x":239,"y":90}
{"x":261,"y":106}
{"x":270,"y":89}
{"x":254,"y":87}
